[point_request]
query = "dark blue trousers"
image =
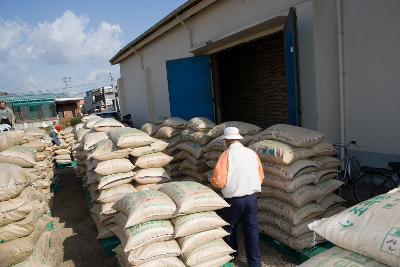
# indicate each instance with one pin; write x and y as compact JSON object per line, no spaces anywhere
{"x":244,"y":210}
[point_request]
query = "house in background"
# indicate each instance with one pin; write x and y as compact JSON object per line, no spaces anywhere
{"x":68,"y":107}
{"x":327,"y":65}
{"x":101,"y":99}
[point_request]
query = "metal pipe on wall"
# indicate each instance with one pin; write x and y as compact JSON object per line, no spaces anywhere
{"x":342,"y":124}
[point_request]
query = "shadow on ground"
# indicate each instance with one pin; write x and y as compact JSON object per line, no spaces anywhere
{"x":75,"y":234}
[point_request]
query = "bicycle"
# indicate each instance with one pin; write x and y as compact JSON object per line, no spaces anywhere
{"x":376,"y":181}
{"x":351,"y":165}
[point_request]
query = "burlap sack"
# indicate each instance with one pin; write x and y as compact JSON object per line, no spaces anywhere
{"x":103,"y":209}
{"x":78,"y":126}
{"x":291,"y":214}
{"x":143,"y":187}
{"x":293,"y":135}
{"x":333,"y":210}
{"x":280,"y":153}
{"x":209,"y":251}
{"x":167,"y":132}
{"x":144,"y":206}
{"x":21,"y":228}
{"x":328,"y":187}
{"x":326,"y":174}
{"x":113,"y":166}
{"x":217,"y":144}
{"x":298,"y":198}
{"x":19,"y":249}
{"x":112,"y":180}
{"x":191,"y":197}
{"x":91,"y":122}
{"x":308,"y":240}
{"x":88,"y":117}
{"x":106,"y":124}
{"x":336,"y":256}
{"x":155,"y":160}
{"x":324,"y":148}
{"x":287,"y":185}
{"x":67,"y":131}
{"x":200,"y":124}
{"x":201,"y":138}
{"x":13,"y":179}
{"x":292,"y":230}
{"x":165,"y":261}
{"x":215,"y":262}
{"x":153,"y":252}
{"x":157,"y":146}
{"x":62,"y":151}
{"x":130,"y":137}
{"x":151,"y":176}
{"x":326,"y":162}
{"x":37,"y":145}
{"x":370,"y":228}
{"x":197,"y":223}
{"x":102,"y":230}
{"x":106,"y":150}
{"x":175,"y":122}
{"x":244,"y":128}
{"x":212,"y":155}
{"x":191,"y":242}
{"x":9,"y":139}
{"x":329,"y":201}
{"x":150,"y":128}
{"x":211,"y":163}
{"x":18,"y":155}
{"x":194,"y":175}
{"x":63,"y":157}
{"x":142,"y":234}
{"x":114,"y":194}
{"x":90,"y":139}
{"x":81,"y":133}
{"x":194,"y":149}
{"x":294,"y":170}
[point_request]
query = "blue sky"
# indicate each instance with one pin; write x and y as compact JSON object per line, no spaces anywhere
{"x":43,"y":41}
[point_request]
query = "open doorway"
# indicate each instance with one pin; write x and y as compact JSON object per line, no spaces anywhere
{"x":250,"y":82}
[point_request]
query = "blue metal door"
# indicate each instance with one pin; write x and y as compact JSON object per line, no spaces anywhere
{"x":190,"y":87}
{"x":292,"y":80}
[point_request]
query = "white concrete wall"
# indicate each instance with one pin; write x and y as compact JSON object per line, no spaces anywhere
{"x":146,"y":90}
{"x":372,"y":76}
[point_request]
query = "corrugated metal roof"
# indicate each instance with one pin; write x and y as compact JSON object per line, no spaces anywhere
{"x":32,"y":97}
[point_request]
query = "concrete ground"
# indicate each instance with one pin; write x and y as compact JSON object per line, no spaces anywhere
{"x":75,"y":241}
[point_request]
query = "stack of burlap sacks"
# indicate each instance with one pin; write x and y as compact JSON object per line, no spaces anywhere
{"x":175,"y":226}
{"x":26,"y":166}
{"x":63,"y":152}
{"x":114,"y":161}
{"x":367,"y":234}
{"x":195,"y":145}
{"x":299,"y":183}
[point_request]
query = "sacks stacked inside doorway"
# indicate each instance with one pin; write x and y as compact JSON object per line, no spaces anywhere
{"x":179,"y":220}
{"x":25,"y":179}
{"x":299,"y":185}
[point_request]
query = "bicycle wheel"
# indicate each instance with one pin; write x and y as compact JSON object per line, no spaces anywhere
{"x":370,"y":185}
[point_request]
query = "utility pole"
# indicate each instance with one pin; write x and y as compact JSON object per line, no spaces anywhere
{"x":67,"y":81}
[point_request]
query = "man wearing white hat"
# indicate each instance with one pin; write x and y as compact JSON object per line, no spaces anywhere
{"x":239,"y":175}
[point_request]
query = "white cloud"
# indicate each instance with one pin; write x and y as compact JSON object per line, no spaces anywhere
{"x":67,"y":41}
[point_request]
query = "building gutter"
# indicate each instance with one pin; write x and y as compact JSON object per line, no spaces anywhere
{"x":342,"y":126}
{"x":175,"y":18}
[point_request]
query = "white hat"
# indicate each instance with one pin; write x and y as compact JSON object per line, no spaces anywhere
{"x":232,"y":133}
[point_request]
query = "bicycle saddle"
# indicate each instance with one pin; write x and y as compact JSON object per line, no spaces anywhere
{"x":394,"y":165}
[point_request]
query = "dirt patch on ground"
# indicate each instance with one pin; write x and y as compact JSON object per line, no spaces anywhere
{"x":75,"y":241}
{"x":75,"y":234}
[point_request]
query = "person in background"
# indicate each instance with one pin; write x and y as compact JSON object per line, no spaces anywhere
{"x":239,"y":175}
{"x":52,"y":133}
{"x":6,"y":114}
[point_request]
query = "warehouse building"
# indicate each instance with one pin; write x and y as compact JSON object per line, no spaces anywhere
{"x":328,"y":65}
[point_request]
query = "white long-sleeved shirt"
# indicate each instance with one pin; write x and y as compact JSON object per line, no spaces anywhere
{"x":238,"y":172}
